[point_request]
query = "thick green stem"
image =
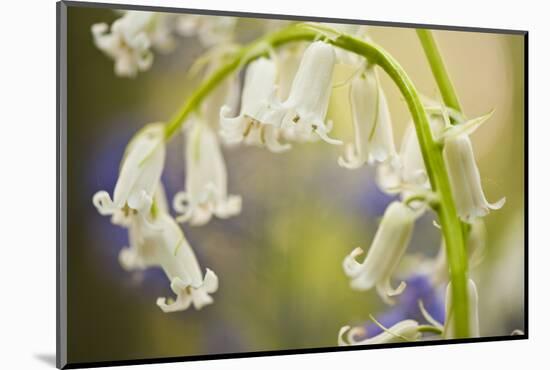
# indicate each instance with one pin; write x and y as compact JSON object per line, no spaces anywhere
{"x":431,"y":151}
{"x":444,"y":83}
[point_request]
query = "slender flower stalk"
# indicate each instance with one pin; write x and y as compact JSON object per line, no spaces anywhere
{"x":449,"y":331}
{"x":450,"y":98}
{"x":476,"y":246}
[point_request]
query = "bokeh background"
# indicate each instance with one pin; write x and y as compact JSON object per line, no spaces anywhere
{"x":279,"y":262}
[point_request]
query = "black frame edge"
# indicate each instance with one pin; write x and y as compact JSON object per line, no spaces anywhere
{"x":286,"y":352}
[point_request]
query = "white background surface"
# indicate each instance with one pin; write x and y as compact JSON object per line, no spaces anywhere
{"x":27,"y":181}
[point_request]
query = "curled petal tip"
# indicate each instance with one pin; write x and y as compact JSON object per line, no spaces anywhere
{"x":328,"y":139}
{"x":350,"y":264}
{"x":349,"y":163}
{"x":211,"y":281}
{"x":497,"y":205}
{"x":103,"y":203}
{"x":397,"y":291}
{"x":343,"y":330}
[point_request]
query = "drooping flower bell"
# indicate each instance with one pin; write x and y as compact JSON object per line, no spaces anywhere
{"x":406,"y":330}
{"x":410,"y":175}
{"x":139,"y":175}
{"x":389,"y":245}
{"x":473,"y":314}
{"x":134,"y":257}
{"x":162,"y":243}
{"x":257,"y":123}
{"x":205,"y":192}
{"x":128,"y":41}
{"x":371,"y":122}
{"x":465,"y":179}
{"x":288,"y":61}
{"x":306,"y":107}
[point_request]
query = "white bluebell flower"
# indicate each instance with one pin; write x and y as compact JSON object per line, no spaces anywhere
{"x":387,"y":248}
{"x":468,"y":194}
{"x":139,"y":175}
{"x":257,"y":123}
{"x":130,"y":38}
{"x":205,"y":192}
{"x":406,"y":330}
{"x":304,"y":112}
{"x":372,"y":124}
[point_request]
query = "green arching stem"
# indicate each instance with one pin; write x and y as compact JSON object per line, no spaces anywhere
{"x":431,"y":151}
{"x":242,"y":57}
{"x":444,"y":83}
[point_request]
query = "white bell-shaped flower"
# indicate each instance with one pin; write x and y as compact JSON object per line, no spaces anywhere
{"x":410,"y":175}
{"x":389,"y":245}
{"x":288,"y":61}
{"x":134,"y":257}
{"x":473,"y":313}
{"x":127,"y":42}
{"x":205,"y":192}
{"x":371,"y":122}
{"x":139,"y":175}
{"x":226,"y":95}
{"x":465,"y":179}
{"x":306,"y":107}
{"x":406,"y":330}
{"x":162,"y":243}
{"x":257,"y":123}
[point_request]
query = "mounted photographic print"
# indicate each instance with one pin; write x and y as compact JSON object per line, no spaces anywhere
{"x":237,"y":184}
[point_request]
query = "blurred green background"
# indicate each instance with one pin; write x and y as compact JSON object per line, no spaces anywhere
{"x":279,"y":262}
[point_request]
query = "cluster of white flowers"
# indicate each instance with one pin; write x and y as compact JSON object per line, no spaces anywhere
{"x":130,"y":39}
{"x":155,"y":239}
{"x":274,"y":109}
{"x":404,"y":173}
{"x":284,"y":99}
